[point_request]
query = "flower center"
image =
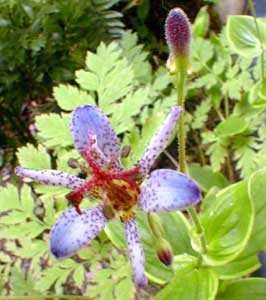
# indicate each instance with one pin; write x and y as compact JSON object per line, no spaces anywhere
{"x":119,"y":190}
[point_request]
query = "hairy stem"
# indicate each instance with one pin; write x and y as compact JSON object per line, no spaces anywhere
{"x":181,"y":79}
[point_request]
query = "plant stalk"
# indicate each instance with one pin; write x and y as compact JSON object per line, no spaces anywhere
{"x":180,"y":84}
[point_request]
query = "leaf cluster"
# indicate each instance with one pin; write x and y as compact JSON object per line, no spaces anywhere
{"x":43,"y":43}
{"x":228,"y":122}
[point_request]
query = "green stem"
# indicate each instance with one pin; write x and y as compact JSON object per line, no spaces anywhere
{"x":251,"y":6}
{"x":199,"y":228}
{"x":181,"y":79}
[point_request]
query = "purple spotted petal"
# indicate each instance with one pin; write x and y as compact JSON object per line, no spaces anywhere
{"x":88,"y":120}
{"x":159,"y":140}
{"x":73,"y":231}
{"x":135,"y":252}
{"x":168,"y":190}
{"x":51,"y":177}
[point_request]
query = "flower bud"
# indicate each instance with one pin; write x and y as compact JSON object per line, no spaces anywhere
{"x":178,"y":34}
{"x":164,"y":251}
{"x":73,"y":163}
{"x":125,"y":151}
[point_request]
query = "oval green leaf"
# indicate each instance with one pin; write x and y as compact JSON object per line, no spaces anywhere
{"x":232,"y":126}
{"x":244,"y":289}
{"x":243,"y":36}
{"x":227,"y":223}
{"x":196,"y":284}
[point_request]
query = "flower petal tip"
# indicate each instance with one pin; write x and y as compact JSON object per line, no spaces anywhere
{"x":142,"y":283}
{"x":57,"y":252}
{"x":169,"y":190}
{"x":73,"y":231}
{"x":19,"y":171}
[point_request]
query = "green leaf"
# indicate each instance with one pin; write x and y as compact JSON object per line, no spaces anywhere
{"x":136,"y":57}
{"x":206,"y":177}
{"x":247,"y":261}
{"x":69,"y":97}
{"x":22,"y":230}
{"x":257,"y":190}
{"x":244,"y":264}
{"x":246,"y":155}
{"x":174,"y":225}
{"x":151,"y":124}
{"x":196,"y":284}
{"x":79,"y":275}
{"x":21,"y":284}
{"x":9,"y":198}
{"x":105,"y":69}
{"x":202,"y":52}
{"x":125,"y":289}
{"x":200,"y":116}
{"x":244,"y":289}
{"x":243,"y":36}
{"x":232,"y":126}
{"x":130,"y":106}
{"x":58,"y":131}
{"x":33,"y":248}
{"x":27,"y":202}
{"x":217,"y":154}
{"x":201,"y":23}
{"x":227,"y":223}
{"x":34,"y":158}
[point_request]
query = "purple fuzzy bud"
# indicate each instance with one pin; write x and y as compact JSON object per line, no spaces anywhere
{"x":178,"y":32}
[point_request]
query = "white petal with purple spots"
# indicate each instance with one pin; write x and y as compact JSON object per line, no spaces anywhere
{"x":168,"y":190}
{"x":73,"y":231}
{"x":159,"y":140}
{"x":91,"y":120}
{"x":135,"y":252}
{"x":51,"y":177}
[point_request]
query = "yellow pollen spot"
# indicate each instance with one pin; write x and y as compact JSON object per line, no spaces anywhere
{"x":122,"y":197}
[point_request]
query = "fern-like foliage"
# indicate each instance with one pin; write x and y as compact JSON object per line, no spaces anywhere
{"x":43,"y":43}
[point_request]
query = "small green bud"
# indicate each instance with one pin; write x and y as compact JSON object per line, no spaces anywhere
{"x":155,"y":225}
{"x":164,"y":251}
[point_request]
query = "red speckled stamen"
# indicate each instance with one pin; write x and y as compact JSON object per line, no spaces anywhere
{"x":105,"y":180}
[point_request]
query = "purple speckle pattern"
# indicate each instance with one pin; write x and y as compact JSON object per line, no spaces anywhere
{"x":91,"y":120}
{"x":178,"y":32}
{"x":168,"y":190}
{"x":51,"y":177}
{"x":72,"y":231}
{"x":135,"y":252}
{"x":159,"y":140}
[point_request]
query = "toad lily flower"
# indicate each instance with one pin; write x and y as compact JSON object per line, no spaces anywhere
{"x":117,"y":189}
